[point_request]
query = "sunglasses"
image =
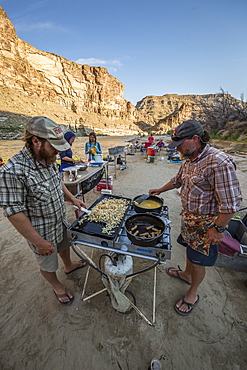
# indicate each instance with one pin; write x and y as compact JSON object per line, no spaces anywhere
{"x":177,"y":137}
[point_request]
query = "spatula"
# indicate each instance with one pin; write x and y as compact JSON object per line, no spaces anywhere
{"x":141,"y":198}
{"x":83,"y":210}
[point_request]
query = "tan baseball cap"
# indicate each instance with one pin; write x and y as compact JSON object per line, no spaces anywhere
{"x":47,"y":129}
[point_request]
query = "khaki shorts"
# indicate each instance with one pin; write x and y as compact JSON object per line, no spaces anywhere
{"x":50,"y":263}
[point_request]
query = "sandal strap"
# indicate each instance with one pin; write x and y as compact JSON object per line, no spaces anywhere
{"x":188,"y":304}
{"x":62,"y":295}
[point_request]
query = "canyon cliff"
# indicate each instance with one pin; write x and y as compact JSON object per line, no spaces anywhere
{"x":35,"y":82}
{"x":84,"y":98}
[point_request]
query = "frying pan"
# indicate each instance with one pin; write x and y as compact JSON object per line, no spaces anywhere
{"x":142,"y":220}
{"x":139,"y":209}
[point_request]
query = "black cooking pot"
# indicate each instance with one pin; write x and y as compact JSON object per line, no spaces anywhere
{"x":139,"y":209}
{"x":143,"y":220}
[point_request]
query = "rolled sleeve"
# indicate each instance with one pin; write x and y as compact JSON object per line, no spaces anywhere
{"x":12,"y":210}
{"x":12,"y":193}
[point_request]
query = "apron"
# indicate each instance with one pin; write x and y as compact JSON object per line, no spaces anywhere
{"x":194,"y":229}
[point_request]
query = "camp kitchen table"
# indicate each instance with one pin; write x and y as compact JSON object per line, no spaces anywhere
{"x":90,"y":235}
{"x":92,"y":175}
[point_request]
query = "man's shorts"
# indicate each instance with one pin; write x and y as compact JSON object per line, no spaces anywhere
{"x":50,"y":263}
{"x":198,"y":258}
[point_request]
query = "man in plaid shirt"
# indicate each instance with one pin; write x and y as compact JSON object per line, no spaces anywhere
{"x":32,"y":196}
{"x":210,"y":195}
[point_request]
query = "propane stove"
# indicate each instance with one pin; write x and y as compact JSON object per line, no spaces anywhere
{"x":117,"y":272}
{"x":91,"y":235}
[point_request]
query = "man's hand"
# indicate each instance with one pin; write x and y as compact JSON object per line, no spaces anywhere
{"x":214,"y":237}
{"x":154,"y":192}
{"x":79,"y":203}
{"x":44,"y":248}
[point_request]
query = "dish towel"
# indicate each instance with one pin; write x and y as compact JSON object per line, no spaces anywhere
{"x":229,"y":246}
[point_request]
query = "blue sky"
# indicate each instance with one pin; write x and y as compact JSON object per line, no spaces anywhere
{"x":154,"y":47}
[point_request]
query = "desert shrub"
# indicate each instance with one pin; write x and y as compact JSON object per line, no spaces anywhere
{"x":233,"y":137}
{"x":214,"y":134}
{"x":223,"y":135}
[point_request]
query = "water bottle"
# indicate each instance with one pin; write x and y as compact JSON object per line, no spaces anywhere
{"x":70,"y":176}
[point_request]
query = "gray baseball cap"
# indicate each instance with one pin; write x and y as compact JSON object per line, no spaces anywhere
{"x":185,"y":130}
{"x":47,"y":129}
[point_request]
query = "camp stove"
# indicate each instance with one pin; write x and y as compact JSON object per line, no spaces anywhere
{"x":91,"y":235}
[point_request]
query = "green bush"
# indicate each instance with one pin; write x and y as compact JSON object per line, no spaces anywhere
{"x":233,"y":137}
{"x":216,"y":136}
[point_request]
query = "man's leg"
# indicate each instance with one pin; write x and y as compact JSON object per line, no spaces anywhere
{"x":58,"y":287}
{"x":186,"y":274}
{"x":63,"y":249}
{"x":198,"y":274}
{"x":68,"y":264}
{"x":196,"y":265}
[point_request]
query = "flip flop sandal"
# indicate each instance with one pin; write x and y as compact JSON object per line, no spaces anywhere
{"x":64,"y":295}
{"x":177,"y":274}
{"x":189,"y":305}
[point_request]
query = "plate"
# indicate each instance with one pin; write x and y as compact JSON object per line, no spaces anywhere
{"x":71,"y":168}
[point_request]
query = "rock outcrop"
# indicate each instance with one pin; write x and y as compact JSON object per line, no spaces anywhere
{"x":36,"y":82}
{"x":214,"y":111}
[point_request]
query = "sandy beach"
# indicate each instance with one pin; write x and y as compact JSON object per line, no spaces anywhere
{"x":39,"y":333}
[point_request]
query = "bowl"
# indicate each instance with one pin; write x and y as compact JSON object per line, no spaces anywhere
{"x":82,"y":167}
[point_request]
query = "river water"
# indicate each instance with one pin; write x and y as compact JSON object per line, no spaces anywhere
{"x":9,"y":147}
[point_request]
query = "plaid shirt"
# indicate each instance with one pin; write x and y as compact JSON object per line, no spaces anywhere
{"x":29,"y":187}
{"x":209,"y":184}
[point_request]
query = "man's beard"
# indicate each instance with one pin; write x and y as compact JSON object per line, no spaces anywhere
{"x":189,"y":153}
{"x":49,"y":158}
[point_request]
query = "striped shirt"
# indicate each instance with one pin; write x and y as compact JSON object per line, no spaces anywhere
{"x":209,"y":184}
{"x":29,"y":187}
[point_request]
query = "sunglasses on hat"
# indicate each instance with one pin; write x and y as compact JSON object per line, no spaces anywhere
{"x":177,"y":137}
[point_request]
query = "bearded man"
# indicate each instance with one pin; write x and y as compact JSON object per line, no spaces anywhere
{"x":210,"y":195}
{"x":32,"y":196}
